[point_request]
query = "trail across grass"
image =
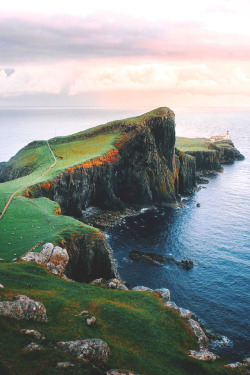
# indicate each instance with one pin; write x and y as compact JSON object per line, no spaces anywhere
{"x":28,"y":223}
{"x":29,"y":183}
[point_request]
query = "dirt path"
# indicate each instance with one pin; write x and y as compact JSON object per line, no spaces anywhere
{"x":29,"y":183}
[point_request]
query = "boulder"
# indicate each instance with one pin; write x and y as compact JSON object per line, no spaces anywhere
{"x":164,"y":293}
{"x":112,"y":285}
{"x":185,"y":313}
{"x":54,"y":258}
{"x":122,"y":287}
{"x":81,"y":313}
{"x":172,"y":304}
{"x":33,"y":347}
{"x":234,"y":365}
{"x":246,"y":362}
{"x":37,"y":335}
{"x":199,"y":333}
{"x":203,"y":355}
{"x":94,"y":351}
{"x":64,"y":365}
{"x":120,"y":372}
{"x":24,"y":308}
{"x":91,"y":321}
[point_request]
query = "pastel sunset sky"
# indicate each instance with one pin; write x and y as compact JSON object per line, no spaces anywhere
{"x":125,"y":53}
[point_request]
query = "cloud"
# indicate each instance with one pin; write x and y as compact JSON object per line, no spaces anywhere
{"x":103,"y":53}
{"x":105,"y":35}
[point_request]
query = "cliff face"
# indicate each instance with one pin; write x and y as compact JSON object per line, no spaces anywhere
{"x":142,"y":173}
{"x":186,"y":165}
{"x":206,"y":160}
{"x":228,"y":153}
{"x":214,"y":155}
{"x":90,"y":257}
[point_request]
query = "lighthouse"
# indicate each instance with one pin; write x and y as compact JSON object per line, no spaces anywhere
{"x":227,"y":134}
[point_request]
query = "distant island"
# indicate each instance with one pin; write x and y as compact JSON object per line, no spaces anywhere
{"x":47,"y":249}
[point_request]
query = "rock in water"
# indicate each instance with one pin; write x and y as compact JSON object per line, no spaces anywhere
{"x":95,"y":351}
{"x":24,"y":308}
{"x":158,"y":260}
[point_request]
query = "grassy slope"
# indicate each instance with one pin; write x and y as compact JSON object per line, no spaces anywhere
{"x":142,"y":334}
{"x":28,"y":222}
{"x":191,"y":144}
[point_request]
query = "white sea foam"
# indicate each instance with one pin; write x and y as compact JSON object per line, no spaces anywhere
{"x":224,"y":341}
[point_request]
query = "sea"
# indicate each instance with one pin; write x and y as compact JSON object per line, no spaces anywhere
{"x":215,"y":236}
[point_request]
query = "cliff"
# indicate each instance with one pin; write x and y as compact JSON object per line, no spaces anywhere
{"x":209,"y":156}
{"x":139,"y":171}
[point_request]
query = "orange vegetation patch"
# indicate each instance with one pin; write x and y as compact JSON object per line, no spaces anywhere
{"x":109,"y":158}
{"x":48,"y":186}
{"x":58,"y":211}
{"x":72,"y":236}
{"x":28,"y":194}
{"x":125,"y":306}
{"x":163,"y":186}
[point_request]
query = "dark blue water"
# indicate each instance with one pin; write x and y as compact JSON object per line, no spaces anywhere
{"x":215,"y":236}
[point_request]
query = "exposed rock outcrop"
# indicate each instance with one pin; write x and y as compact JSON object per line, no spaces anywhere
{"x":203,"y":355}
{"x":199,"y":333}
{"x":53,"y":257}
{"x":31,"y":332}
{"x":94,"y":351}
{"x":90,"y":257}
{"x":33,"y":347}
{"x":24,"y":308}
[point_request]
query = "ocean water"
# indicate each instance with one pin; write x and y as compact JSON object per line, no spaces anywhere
{"x":215,"y":236}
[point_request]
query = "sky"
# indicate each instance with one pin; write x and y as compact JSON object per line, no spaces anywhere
{"x":123,"y":54}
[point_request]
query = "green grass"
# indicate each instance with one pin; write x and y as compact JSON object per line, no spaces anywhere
{"x":191,"y":144}
{"x":31,"y":222}
{"x":143,"y":335}
{"x":103,"y":128}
